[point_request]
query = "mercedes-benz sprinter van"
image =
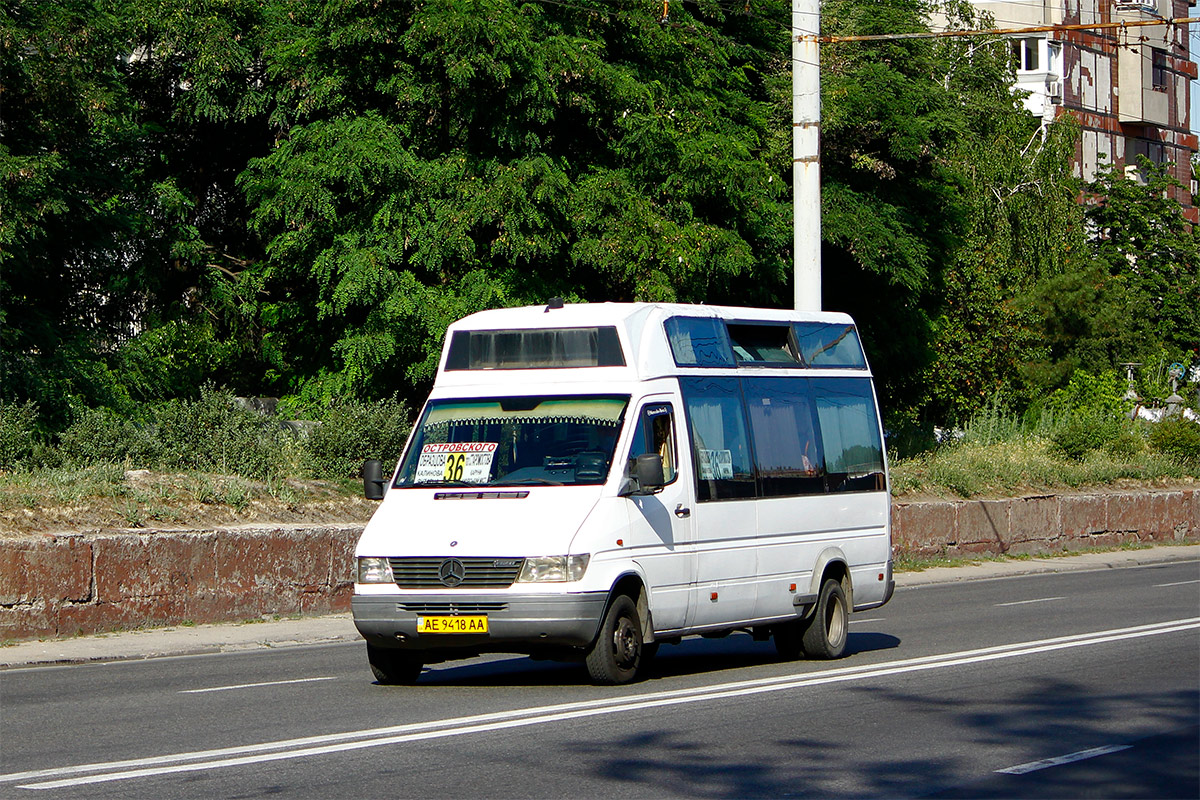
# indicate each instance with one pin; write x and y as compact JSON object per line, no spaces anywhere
{"x":589,"y":481}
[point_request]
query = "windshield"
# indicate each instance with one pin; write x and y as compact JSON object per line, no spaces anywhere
{"x":514,"y":441}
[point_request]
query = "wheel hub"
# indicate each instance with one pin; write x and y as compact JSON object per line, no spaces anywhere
{"x":625,"y":643}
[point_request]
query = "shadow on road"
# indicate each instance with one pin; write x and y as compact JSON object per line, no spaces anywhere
{"x":692,"y":656}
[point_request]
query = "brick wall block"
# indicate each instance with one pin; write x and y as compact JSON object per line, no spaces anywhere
{"x":1131,"y":512}
{"x":123,"y":614}
{"x":1033,"y":519}
{"x":342,"y":557}
{"x":1172,"y":512}
{"x":1082,"y":516}
{"x":983,"y":526}
{"x":53,"y":569}
{"x":264,"y":571}
{"x":28,"y":621}
{"x":924,"y":528}
{"x":163,"y":565}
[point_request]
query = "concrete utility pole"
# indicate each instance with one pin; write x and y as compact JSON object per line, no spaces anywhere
{"x":806,"y":149}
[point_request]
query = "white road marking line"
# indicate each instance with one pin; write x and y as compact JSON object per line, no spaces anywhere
{"x":1034,"y":766}
{"x":437,"y":729}
{"x":1177,"y":583}
{"x":1027,"y":602}
{"x":255,"y":685}
{"x":872,"y":619}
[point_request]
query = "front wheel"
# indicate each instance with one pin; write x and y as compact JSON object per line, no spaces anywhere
{"x":393,"y":667}
{"x":617,"y":653}
{"x":828,"y":627}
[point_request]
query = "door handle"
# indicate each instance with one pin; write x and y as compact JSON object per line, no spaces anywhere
{"x":681,"y":512}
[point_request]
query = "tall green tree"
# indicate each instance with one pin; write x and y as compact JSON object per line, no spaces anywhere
{"x":1135,"y":294}
{"x":1021,"y":225}
{"x":443,"y":157}
{"x":65,"y":215}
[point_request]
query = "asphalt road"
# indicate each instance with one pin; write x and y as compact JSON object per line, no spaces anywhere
{"x":1081,"y":684}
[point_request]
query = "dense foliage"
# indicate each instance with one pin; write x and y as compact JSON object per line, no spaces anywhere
{"x":294,"y":197}
{"x":214,"y":433}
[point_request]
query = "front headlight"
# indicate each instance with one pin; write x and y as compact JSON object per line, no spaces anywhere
{"x":553,"y":568}
{"x":374,"y":570}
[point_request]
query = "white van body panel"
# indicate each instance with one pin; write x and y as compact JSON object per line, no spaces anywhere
{"x":417,"y":523}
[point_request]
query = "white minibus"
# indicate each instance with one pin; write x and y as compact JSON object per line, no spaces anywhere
{"x":589,"y":481}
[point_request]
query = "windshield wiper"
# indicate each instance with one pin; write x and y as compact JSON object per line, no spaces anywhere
{"x":528,"y":481}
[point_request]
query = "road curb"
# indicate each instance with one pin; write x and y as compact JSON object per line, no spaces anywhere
{"x":339,"y":628}
{"x":1036,"y":566}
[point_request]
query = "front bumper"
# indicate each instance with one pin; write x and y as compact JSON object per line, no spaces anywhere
{"x":516,"y":623}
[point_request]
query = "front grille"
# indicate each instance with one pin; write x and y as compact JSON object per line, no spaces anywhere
{"x":478,"y":573}
{"x":452,"y":608}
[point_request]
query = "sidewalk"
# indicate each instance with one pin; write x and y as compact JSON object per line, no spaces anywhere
{"x":230,"y":637}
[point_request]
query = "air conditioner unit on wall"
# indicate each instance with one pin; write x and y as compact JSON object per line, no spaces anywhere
{"x":1054,"y":91}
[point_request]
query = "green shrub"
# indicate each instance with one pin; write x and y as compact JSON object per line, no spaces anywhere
{"x":1178,"y":438}
{"x":18,"y":433}
{"x":1083,"y":434}
{"x":352,"y":432}
{"x":1092,"y":395}
{"x":214,"y":434}
{"x":992,"y":425}
{"x":1126,"y":444}
{"x":101,"y":435}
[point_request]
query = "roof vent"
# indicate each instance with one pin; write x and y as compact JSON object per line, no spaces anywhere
{"x":554,"y":302}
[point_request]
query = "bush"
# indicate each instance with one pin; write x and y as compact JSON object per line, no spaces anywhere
{"x":18,"y":437}
{"x":1082,"y":434}
{"x":214,"y":434}
{"x":1127,"y":444}
{"x":1092,"y":395}
{"x":1178,"y":438}
{"x":100,"y":435}
{"x":350,"y":433}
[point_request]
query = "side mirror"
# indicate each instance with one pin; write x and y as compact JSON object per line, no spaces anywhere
{"x":646,"y":477}
{"x":373,"y":480}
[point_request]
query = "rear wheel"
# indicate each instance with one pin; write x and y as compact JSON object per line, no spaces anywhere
{"x":617,"y":653}
{"x":829,"y":626}
{"x":393,"y":667}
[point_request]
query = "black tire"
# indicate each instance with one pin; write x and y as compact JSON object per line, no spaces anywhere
{"x":788,"y":637}
{"x":617,"y":652}
{"x":829,"y":626}
{"x":394,"y":667}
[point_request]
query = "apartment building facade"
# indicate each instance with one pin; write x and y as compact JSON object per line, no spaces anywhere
{"x":1129,"y":86}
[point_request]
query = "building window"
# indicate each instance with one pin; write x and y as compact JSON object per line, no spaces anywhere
{"x":1025,"y":54}
{"x":1158,"y":74}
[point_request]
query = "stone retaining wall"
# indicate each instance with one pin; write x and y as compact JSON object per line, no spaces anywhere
{"x":103,"y":581}
{"x":95,"y":582}
{"x":1044,"y":523}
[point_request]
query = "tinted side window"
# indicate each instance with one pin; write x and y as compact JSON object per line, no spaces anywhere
{"x":850,"y":433}
{"x":826,"y":345}
{"x":699,"y":342}
{"x":535,"y":349}
{"x":720,"y":445}
{"x":786,"y":448}
{"x":655,"y":433}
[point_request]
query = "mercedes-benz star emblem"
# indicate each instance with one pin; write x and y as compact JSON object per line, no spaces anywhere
{"x":452,"y":572}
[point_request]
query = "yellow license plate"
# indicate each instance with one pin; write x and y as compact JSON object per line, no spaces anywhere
{"x":452,"y":625}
